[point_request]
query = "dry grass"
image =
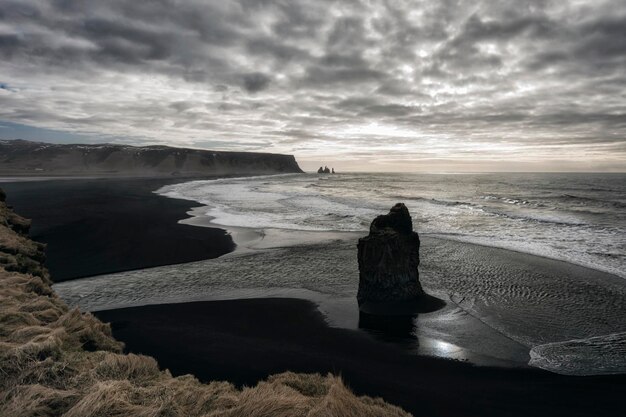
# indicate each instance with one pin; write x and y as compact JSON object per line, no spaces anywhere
{"x":55,"y":361}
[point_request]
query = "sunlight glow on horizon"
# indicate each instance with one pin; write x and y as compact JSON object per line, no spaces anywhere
{"x":484,"y":87}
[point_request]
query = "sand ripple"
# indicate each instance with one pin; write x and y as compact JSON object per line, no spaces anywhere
{"x":532,"y":300}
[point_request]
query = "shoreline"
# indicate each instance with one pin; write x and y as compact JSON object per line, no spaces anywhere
{"x":59,"y":361}
{"x":95,"y":226}
{"x":485,"y":331}
{"x":200,"y":218}
{"x":249,"y":235}
{"x":219,"y":339}
{"x":181,"y":212}
{"x":251,"y":239}
{"x":267,"y":331}
{"x":252,"y":242}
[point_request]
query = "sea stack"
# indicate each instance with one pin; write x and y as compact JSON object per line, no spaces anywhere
{"x":388,"y":260}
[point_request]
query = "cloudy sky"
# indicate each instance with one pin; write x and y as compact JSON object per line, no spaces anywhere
{"x":392,"y":85}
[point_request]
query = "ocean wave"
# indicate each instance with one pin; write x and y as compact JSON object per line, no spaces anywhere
{"x":565,"y":202}
{"x":593,"y":262}
{"x":555,"y":219}
{"x":528,"y":219}
{"x":600,"y":201}
{"x":600,"y":355}
{"x":435,"y":201}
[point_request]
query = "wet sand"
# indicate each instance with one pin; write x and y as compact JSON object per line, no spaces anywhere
{"x":499,"y":304}
{"x":244,"y":341}
{"x":100,"y":226}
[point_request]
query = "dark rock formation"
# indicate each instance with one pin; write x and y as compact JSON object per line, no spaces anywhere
{"x":321,"y":170}
{"x":326,"y":170}
{"x":388,"y":260}
{"x":21,"y":157}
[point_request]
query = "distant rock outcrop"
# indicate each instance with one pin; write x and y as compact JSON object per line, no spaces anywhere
{"x":388,"y":260}
{"x":22,"y":157}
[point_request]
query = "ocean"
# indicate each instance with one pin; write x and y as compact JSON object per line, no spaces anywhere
{"x":564,"y":311}
{"x":578,"y":218}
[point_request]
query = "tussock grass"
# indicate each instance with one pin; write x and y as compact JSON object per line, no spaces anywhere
{"x":55,"y":361}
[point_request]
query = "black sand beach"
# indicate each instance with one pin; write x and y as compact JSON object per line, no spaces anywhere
{"x":99,"y":226}
{"x":244,"y":341}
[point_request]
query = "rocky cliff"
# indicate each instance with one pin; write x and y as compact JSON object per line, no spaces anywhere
{"x":21,"y":157}
{"x":57,"y":361}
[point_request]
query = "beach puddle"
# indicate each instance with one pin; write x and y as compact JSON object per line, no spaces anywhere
{"x":499,"y":304}
{"x":600,"y":355}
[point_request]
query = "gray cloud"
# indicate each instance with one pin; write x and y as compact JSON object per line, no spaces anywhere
{"x":255,"y":81}
{"x":324,"y":78}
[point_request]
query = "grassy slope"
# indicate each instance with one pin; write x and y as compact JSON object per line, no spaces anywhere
{"x":57,"y":361}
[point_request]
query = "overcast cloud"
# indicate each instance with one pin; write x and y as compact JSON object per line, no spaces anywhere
{"x":385,"y":85}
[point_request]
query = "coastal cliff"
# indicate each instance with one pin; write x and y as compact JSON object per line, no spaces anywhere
{"x":59,"y":361}
{"x":21,"y":157}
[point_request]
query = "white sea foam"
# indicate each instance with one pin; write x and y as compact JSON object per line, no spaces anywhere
{"x":531,"y":303}
{"x":600,"y":355}
{"x":572,"y":318}
{"x":529,"y":213}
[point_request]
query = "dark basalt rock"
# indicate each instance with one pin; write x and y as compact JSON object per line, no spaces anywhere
{"x":388,"y":260}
